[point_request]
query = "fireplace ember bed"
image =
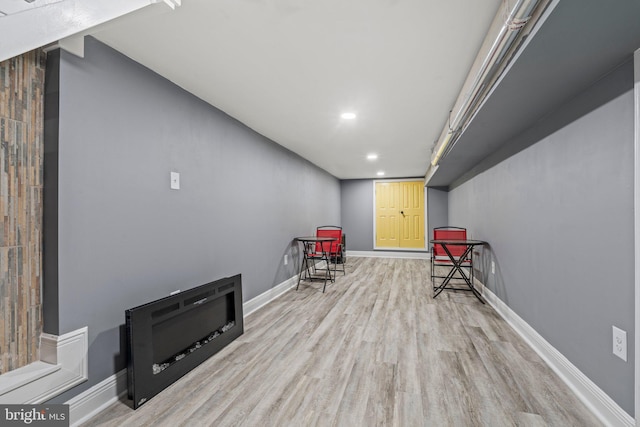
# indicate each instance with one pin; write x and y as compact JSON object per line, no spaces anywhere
{"x":169,"y":337}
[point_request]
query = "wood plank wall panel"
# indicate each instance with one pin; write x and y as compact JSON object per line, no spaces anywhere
{"x":21,"y":160}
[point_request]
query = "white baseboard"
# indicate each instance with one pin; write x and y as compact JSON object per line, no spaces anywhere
{"x":66,"y":355}
{"x":609,"y":412}
{"x":97,"y":398}
{"x":264,"y":298}
{"x":388,"y":254}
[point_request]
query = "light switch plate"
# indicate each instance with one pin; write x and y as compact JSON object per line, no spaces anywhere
{"x":175,"y":181}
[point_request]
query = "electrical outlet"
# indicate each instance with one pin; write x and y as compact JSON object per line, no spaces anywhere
{"x":286,"y":259}
{"x":620,"y":343}
{"x":175,"y":181}
{"x":493,"y":267}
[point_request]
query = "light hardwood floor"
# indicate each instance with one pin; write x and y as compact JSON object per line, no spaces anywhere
{"x":375,"y":349}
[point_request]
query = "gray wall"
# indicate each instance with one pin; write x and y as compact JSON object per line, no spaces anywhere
{"x":356,"y":197}
{"x":50,"y":196}
{"x":437,"y":209}
{"x":126,"y":238}
{"x":559,"y":219}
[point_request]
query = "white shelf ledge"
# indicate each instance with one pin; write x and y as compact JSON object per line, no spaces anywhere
{"x":62,"y":365}
{"x":23,"y":376}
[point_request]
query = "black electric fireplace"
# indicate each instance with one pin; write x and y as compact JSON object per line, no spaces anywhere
{"x":169,"y":337}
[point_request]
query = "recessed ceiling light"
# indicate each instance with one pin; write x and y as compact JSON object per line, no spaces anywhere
{"x":380,"y":173}
{"x":372,"y":156}
{"x":348,"y":116}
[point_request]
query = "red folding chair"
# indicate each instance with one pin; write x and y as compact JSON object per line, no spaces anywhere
{"x":336,"y":248}
{"x":440,"y":258}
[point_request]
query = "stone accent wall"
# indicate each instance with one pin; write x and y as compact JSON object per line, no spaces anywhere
{"x":21,"y":159}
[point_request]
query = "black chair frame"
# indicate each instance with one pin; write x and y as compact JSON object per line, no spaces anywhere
{"x":337,"y":256}
{"x":466,"y":263}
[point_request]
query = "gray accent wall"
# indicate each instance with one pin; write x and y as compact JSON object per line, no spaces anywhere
{"x":357,"y":213}
{"x":559,"y":219}
{"x":437,"y":209}
{"x":126,"y":238}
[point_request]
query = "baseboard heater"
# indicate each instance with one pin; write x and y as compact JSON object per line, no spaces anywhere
{"x":169,"y":337}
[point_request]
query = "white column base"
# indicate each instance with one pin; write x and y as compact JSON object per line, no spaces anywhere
{"x":62,"y":365}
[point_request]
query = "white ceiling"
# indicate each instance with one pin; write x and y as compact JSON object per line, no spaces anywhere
{"x":288,"y":69}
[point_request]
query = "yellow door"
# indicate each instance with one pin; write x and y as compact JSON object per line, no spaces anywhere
{"x":387,"y":214}
{"x":412,"y":214}
{"x":400,"y":214}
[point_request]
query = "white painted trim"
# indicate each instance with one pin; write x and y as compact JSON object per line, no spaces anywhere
{"x":74,"y":45}
{"x":587,"y":391}
{"x":68,"y":355}
{"x":373,"y":211}
{"x":264,"y":298}
{"x":394,"y":254}
{"x":96,"y":399}
{"x":636,"y":221}
{"x":416,"y":179}
{"x":17,"y":378}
